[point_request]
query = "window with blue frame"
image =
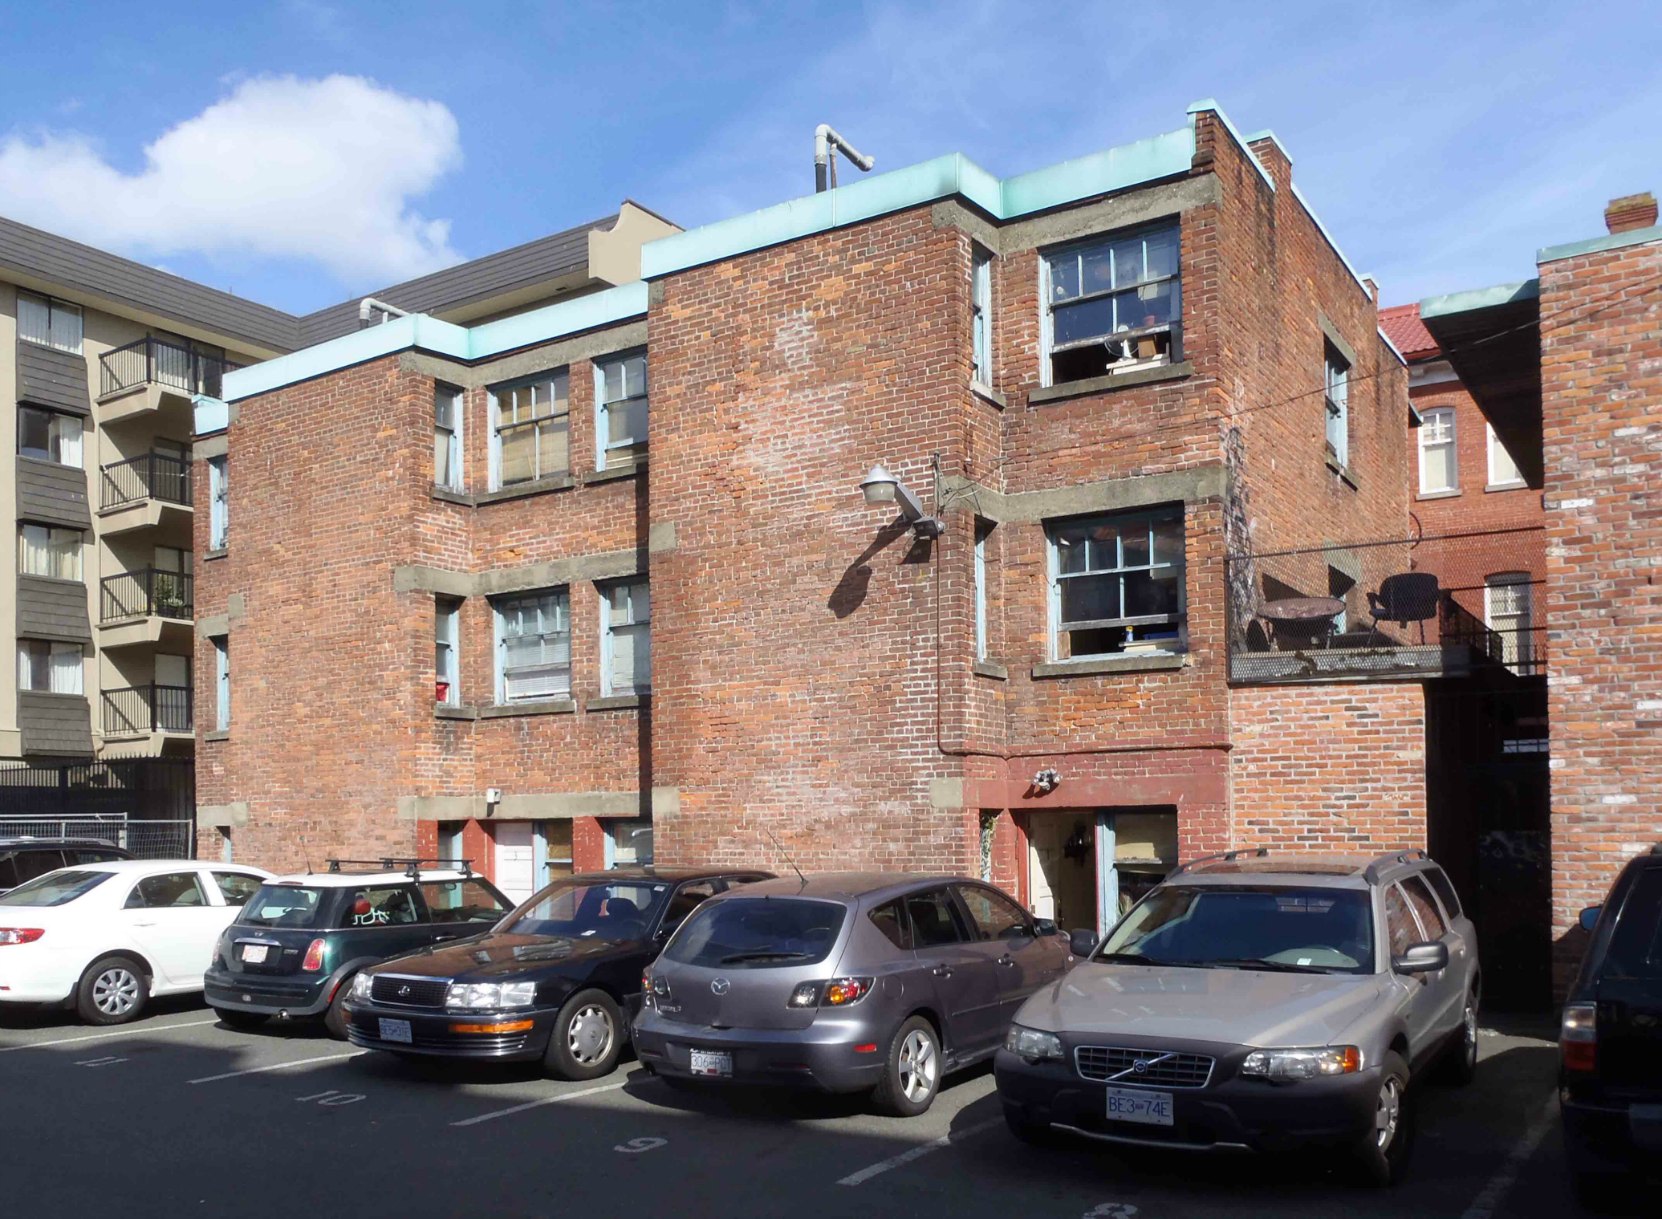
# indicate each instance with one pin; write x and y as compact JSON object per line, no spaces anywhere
{"x":1117,"y":584}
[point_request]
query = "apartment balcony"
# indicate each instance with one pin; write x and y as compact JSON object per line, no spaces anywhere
{"x":1454,"y":605}
{"x":147,"y":606}
{"x":152,"y":375}
{"x":151,"y":491}
{"x":147,"y":720}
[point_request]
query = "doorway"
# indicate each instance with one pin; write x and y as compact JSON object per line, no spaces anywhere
{"x":513,"y":865}
{"x":1087,"y":867}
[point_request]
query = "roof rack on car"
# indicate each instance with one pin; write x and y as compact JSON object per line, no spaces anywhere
{"x":1226,"y":856}
{"x":1386,"y":859}
{"x":409,"y":865}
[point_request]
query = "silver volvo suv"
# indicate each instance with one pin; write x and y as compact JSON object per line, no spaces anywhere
{"x":1256,"y":1002}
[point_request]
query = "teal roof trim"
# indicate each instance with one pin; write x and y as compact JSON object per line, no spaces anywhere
{"x":417,"y":330}
{"x":1593,"y":245}
{"x":1160,"y":156}
{"x":1208,"y":104}
{"x":1479,"y":298}
{"x":210,"y":415}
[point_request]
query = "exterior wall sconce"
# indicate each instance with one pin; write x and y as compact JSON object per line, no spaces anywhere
{"x":1046,"y":781}
{"x":881,"y":487}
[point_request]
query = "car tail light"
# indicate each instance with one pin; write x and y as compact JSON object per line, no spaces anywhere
{"x":314,"y":957}
{"x":1578,"y":1037}
{"x":20,"y":935}
{"x":838,"y":992}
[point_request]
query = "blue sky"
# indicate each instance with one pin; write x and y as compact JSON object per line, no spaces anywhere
{"x":301,"y":152}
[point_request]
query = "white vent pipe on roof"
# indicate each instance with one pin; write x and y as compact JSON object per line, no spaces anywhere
{"x":827,"y":143}
{"x":369,"y":305}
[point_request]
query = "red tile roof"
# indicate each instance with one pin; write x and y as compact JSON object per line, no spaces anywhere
{"x":1402,"y":325}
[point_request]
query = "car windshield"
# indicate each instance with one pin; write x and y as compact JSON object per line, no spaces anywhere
{"x":54,"y":889}
{"x":1272,"y":928}
{"x":279,"y":905}
{"x":615,"y":910}
{"x":758,"y":932}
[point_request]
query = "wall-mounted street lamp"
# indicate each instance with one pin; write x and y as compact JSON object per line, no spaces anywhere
{"x":881,"y":487}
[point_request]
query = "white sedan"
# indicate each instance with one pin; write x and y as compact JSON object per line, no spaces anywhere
{"x":106,"y":936}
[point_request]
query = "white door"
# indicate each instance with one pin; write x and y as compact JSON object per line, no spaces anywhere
{"x":515,"y":860}
{"x":173,"y":920}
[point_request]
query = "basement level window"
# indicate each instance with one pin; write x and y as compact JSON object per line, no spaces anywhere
{"x":1113,"y":305}
{"x":1117,"y":584}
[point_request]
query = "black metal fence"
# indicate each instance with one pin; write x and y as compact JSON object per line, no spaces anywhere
{"x":162,"y":476}
{"x":150,"y":708}
{"x":158,"y":362}
{"x":1427,"y":606}
{"x":147,"y":805}
{"x":147,"y":592}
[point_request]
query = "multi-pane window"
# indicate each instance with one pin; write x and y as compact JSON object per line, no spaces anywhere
{"x":219,"y":504}
{"x":46,"y":550}
{"x":626,"y":640}
{"x":533,"y":647}
{"x":222,"y":682}
{"x":620,"y":409}
{"x":1113,"y":305}
{"x":1503,"y":471}
{"x":981,"y":316}
{"x":531,"y":437}
{"x":447,"y":437}
{"x":447,"y":687}
{"x":1117,"y":583}
{"x":52,"y":323}
{"x":49,"y":667}
{"x":49,"y":436}
{"x":552,"y":846}
{"x":1438,"y":468}
{"x":629,"y":842}
{"x":1507,"y":609}
{"x":1336,"y":382}
{"x":983,"y":533}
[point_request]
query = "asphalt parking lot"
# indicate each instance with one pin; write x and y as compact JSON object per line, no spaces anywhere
{"x":176,"y":1115}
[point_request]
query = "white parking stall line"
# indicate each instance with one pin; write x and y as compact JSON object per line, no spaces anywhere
{"x":154,"y":1028}
{"x":536,"y":1104}
{"x":277,"y":1066}
{"x":918,"y":1152}
{"x":1494,"y":1193}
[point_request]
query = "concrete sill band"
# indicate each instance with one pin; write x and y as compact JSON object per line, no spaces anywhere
{"x":989,"y":395}
{"x":218,"y":734}
{"x":987,"y":668}
{"x":613,"y":473}
{"x":614,"y":702}
{"x":1102,"y":385}
{"x":556,"y":706}
{"x":1109,"y":664}
{"x":448,"y":711}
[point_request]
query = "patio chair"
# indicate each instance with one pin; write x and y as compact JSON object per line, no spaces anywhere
{"x":1410,"y":596}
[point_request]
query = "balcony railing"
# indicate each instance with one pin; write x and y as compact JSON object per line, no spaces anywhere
{"x":152,"y":708}
{"x":147,"y":593}
{"x":153,"y":361}
{"x":159,"y":476}
{"x":1440,"y":606}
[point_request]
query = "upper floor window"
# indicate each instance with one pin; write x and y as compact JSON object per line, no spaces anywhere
{"x":49,"y":435}
{"x":983,"y":533}
{"x":447,"y":686}
{"x":1439,"y":470}
{"x":52,"y":323}
{"x":45,"y":550}
{"x":1336,"y":380}
{"x":533,"y":647}
{"x":1112,"y":305}
{"x":1117,"y":584}
{"x":447,"y":437}
{"x":531,"y":430}
{"x":219,"y":504}
{"x":222,"y":682}
{"x":981,"y":316}
{"x":1508,"y":611}
{"x":620,"y":409}
{"x":49,"y":668}
{"x":1503,"y":471}
{"x":626,"y":639}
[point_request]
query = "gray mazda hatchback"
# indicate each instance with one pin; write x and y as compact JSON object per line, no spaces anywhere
{"x":845,"y":982}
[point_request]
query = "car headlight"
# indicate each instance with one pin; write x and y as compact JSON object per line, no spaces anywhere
{"x":490,"y":994}
{"x":1031,"y":1044}
{"x":1284,"y":1066}
{"x":361,"y":982}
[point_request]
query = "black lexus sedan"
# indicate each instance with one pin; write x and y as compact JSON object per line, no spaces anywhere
{"x":556,"y":980}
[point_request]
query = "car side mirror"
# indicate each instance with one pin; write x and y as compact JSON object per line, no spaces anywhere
{"x":1425,"y":958}
{"x":1590,"y":917}
{"x":1044,"y":926}
{"x":1081,"y":942}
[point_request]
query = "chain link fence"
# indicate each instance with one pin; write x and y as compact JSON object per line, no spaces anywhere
{"x":144,"y":839}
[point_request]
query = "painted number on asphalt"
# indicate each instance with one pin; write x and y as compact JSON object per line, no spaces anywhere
{"x":106,"y":1061}
{"x":333,"y":1098}
{"x":1111,"y":1210}
{"x":635,"y":1146}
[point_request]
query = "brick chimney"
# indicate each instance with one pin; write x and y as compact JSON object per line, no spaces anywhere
{"x":1630,"y":212}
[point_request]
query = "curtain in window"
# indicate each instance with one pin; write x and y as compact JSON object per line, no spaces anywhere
{"x":34,"y":319}
{"x":536,"y":648}
{"x":68,"y":441}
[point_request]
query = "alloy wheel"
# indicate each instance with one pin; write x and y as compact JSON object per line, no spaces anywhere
{"x":919,"y":1066}
{"x":115,"y":991}
{"x":1470,"y":1034}
{"x":589,"y":1036}
{"x":1388,"y":1113}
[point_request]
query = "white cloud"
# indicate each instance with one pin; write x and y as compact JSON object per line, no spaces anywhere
{"x":321,"y":171}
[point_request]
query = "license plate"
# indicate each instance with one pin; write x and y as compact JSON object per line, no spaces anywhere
{"x":1146,"y":1108}
{"x":395,"y":1030}
{"x":254,"y":954}
{"x":710,"y":1062}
